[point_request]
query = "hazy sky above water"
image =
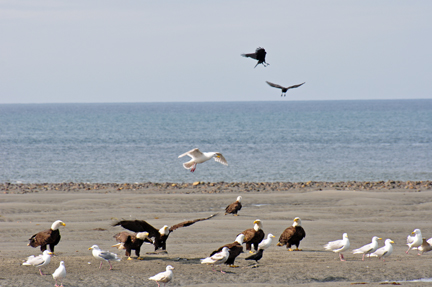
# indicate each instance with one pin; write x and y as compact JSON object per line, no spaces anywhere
{"x":164,"y":51}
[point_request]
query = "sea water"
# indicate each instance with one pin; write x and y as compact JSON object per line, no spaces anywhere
{"x":368,"y":140}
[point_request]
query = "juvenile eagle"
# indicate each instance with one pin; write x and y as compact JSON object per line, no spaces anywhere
{"x":131,"y":242}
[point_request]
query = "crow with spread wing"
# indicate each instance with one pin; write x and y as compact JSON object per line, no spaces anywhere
{"x":284,"y":89}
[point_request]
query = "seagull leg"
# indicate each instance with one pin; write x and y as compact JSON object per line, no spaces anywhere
{"x":158,"y":284}
{"x":193,"y":167}
{"x":110,"y":265}
{"x":221,"y":270}
{"x":41,"y":273}
{"x":363,"y":257}
{"x":341,"y":257}
{"x":100,"y":265}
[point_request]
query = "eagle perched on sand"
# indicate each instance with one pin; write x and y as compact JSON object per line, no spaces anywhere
{"x":49,"y":237}
{"x":253,"y":236}
{"x":234,"y":207}
{"x":292,"y":235}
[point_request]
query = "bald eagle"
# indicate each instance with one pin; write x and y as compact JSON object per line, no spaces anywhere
{"x":260,"y":54}
{"x":234,"y":207}
{"x":131,"y":242}
{"x":49,"y":237}
{"x":159,"y":236}
{"x":292,"y":235}
{"x":253,"y":236}
{"x":235,"y":249}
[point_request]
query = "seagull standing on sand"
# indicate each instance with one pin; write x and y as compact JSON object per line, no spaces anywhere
{"x":266,"y":243}
{"x":415,"y":240}
{"x":284,"y":89}
{"x":338,"y":246}
{"x":103,"y":255}
{"x":200,"y":157}
{"x":59,"y":274}
{"x":384,"y":251}
{"x":164,"y":277}
{"x":368,"y":248}
{"x":39,"y":261}
{"x":217,"y":259}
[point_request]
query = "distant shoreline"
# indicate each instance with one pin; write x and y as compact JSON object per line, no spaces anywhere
{"x":217,"y":187}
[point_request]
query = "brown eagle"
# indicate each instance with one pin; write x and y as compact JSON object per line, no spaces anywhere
{"x":234,"y":207}
{"x":292,"y":235}
{"x":253,"y":236}
{"x":235,"y":249}
{"x":160,"y":236}
{"x":260,"y":54}
{"x":49,"y":237}
{"x":131,"y":242}
{"x":284,"y":89}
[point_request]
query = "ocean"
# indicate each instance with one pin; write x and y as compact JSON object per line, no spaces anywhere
{"x":365,"y":140}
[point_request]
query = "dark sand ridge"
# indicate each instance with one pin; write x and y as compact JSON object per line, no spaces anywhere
{"x":391,"y":212}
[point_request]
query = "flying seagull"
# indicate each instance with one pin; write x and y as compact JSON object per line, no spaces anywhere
{"x":200,"y":157}
{"x":284,"y":89}
{"x":259,"y":55}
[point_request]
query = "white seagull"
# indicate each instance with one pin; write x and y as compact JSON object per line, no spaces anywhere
{"x":59,"y":274}
{"x":368,"y":248}
{"x":39,"y":261}
{"x":200,"y":157}
{"x":384,"y":251}
{"x":338,"y":246}
{"x":164,"y":277}
{"x":217,"y":259}
{"x":103,"y":255}
{"x":266,"y":243}
{"x":415,"y":240}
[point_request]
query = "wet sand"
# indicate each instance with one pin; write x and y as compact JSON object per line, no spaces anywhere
{"x":326,"y":213}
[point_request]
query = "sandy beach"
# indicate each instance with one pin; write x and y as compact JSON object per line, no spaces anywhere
{"x":326,"y":212}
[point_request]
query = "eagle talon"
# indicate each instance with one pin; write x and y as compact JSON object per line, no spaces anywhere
{"x":130,"y":258}
{"x":234,"y":266}
{"x":140,"y":258}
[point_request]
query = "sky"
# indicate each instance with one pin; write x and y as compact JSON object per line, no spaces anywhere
{"x":58,"y":51}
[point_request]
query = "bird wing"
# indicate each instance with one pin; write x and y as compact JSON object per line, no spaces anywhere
{"x":364,"y":249}
{"x":229,"y":246}
{"x":192,"y":153}
{"x":138,"y":226}
{"x":107,"y":255}
{"x":275,"y":85}
{"x":189,"y":223}
{"x":235,"y":206}
{"x":287,"y":234}
{"x":429,"y":241}
{"x":295,"y":86}
{"x":410,"y":239}
{"x":334,"y":245}
{"x":220,"y":158}
{"x":35,"y":260}
{"x":250,"y":55}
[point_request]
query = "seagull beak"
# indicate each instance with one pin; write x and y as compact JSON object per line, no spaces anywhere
{"x":392,"y":241}
{"x":273,"y":236}
{"x":413,"y":232}
{"x":379,"y":238}
{"x":90,"y":248}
